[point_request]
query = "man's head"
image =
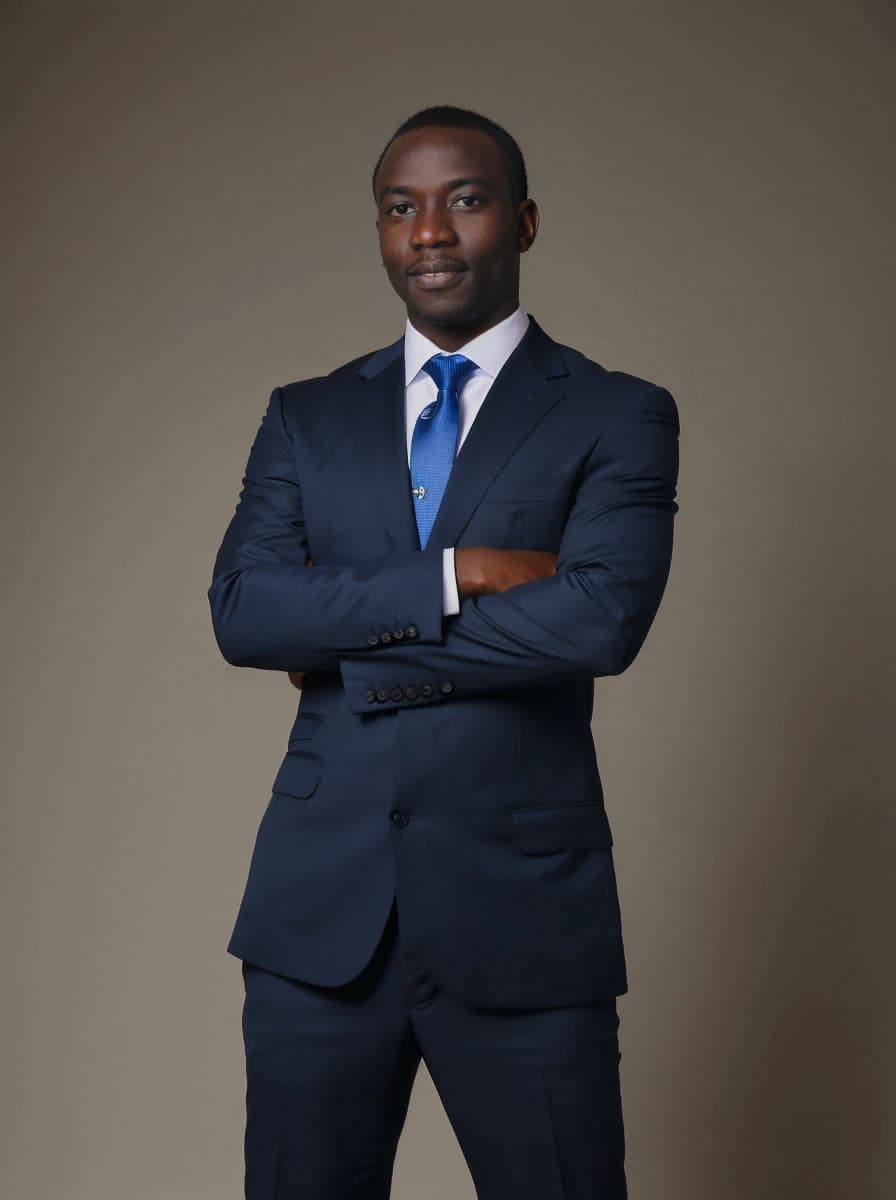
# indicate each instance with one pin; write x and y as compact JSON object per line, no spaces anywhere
{"x":451,"y":191}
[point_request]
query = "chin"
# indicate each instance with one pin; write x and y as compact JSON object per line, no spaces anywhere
{"x":448,"y":315}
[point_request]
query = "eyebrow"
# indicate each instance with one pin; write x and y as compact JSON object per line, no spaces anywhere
{"x":404,"y":189}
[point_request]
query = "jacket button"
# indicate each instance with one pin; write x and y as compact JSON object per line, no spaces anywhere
{"x":410,"y":631}
{"x":411,"y":693}
{"x":397,"y":693}
{"x":371,"y":697}
{"x":398,"y":817}
{"x":386,"y":637}
{"x":426,"y":690}
{"x":382,"y":694}
{"x":372,"y":639}
{"x":447,"y":686}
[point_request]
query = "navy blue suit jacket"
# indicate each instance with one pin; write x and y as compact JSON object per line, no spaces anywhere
{"x":448,"y":760}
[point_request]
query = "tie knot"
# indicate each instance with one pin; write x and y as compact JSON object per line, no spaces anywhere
{"x":449,"y":370}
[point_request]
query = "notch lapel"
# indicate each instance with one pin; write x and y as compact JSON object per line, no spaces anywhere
{"x":377,"y":419}
{"x":531,"y":382}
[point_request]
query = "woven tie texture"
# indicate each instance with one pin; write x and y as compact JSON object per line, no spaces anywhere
{"x":435,"y":438}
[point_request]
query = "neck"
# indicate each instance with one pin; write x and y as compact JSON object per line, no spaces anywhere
{"x":452,"y":337}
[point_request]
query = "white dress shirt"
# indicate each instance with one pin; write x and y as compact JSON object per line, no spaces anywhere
{"x":490,"y":351}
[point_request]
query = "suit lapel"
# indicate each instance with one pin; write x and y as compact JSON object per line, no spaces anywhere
{"x":527,"y":387}
{"x":377,"y":418}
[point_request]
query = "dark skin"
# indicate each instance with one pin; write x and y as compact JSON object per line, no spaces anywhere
{"x":444,"y":198}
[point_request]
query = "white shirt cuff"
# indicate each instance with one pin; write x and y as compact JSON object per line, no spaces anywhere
{"x":450,"y":597}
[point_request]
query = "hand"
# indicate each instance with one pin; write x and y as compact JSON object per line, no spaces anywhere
{"x":483,"y":571}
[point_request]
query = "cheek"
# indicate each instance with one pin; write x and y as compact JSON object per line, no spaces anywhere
{"x":390,"y":252}
{"x":395,"y":272}
{"x":492,"y":256}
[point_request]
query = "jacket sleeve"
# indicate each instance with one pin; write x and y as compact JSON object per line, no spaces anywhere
{"x":270,"y":609}
{"x":591,"y":618}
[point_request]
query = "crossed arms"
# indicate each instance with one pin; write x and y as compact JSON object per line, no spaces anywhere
{"x":484,"y":571}
{"x":523,"y":620}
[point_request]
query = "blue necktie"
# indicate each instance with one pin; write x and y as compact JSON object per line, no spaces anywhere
{"x":435,"y":438}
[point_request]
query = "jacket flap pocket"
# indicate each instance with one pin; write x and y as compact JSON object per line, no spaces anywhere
{"x":299,"y":774}
{"x":547,"y":827}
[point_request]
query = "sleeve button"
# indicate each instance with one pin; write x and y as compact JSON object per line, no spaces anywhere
{"x":386,"y":637}
{"x":382,"y":694}
{"x":371,"y":697}
{"x":447,"y":686}
{"x":397,"y":693}
{"x":410,"y":631}
{"x":372,"y":639}
{"x":411,"y":693}
{"x":426,"y":690}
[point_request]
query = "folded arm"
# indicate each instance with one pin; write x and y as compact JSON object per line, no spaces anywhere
{"x":590,"y":618}
{"x":271,"y":610}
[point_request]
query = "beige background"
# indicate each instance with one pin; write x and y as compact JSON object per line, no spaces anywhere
{"x":188,"y":223}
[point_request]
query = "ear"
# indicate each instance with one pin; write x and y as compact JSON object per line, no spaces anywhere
{"x":528,"y":219}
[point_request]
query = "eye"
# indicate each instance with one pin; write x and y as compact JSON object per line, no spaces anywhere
{"x":470,"y":196}
{"x":400,"y":204}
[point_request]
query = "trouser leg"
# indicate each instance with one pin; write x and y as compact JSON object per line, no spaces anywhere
{"x":533,"y":1096}
{"x":329,"y":1073}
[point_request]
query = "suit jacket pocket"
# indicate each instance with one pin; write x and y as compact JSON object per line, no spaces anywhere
{"x":518,"y":524}
{"x":299,"y":773}
{"x":545,"y":828}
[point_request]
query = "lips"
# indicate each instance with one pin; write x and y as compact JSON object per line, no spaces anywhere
{"x":438,"y":266}
{"x":437,"y":274}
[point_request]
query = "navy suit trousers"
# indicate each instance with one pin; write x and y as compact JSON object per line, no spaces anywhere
{"x":533,"y":1095}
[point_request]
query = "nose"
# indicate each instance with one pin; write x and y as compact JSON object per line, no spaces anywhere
{"x":432,"y":227}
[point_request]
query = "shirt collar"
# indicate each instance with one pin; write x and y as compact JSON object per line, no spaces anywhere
{"x":490,"y":349}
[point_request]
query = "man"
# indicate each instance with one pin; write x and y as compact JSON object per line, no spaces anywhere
{"x":444,"y":542}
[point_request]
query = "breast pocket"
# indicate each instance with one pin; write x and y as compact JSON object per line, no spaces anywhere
{"x":519,"y":524}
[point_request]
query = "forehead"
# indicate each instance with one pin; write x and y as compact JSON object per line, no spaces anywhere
{"x":429,"y":157}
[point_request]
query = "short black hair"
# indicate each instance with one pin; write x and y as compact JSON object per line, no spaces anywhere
{"x":447,"y":115}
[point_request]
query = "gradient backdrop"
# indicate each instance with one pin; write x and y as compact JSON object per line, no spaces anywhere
{"x":188,"y":223}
